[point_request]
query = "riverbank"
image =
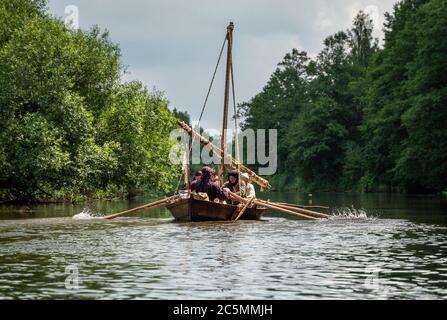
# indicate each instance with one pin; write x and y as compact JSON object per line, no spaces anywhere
{"x":78,"y":199}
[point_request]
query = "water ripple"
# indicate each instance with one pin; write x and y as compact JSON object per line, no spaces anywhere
{"x":278,"y":258}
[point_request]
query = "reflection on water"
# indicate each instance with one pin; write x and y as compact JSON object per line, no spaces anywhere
{"x":398,"y":252}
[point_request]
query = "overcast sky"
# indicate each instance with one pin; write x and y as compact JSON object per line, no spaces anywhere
{"x":173,"y":45}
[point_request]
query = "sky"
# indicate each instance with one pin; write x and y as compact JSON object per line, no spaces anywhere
{"x":173,"y":46}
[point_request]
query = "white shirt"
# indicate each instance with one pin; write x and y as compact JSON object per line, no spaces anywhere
{"x":251,"y":193}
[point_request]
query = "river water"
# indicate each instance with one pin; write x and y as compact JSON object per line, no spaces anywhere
{"x":378,"y":247}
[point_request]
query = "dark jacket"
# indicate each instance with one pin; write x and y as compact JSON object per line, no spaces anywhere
{"x":206,"y":186}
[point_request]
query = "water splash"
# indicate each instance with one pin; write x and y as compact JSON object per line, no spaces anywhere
{"x":350,"y":213}
{"x":86,"y":214}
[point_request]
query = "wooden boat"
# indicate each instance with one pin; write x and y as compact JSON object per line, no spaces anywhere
{"x":191,"y":209}
{"x":198,"y":210}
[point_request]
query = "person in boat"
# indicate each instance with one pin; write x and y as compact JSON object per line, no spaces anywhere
{"x":205,"y":185}
{"x":233,"y":182}
{"x":197,"y":176}
{"x":214,"y":177}
{"x":242,"y":188}
{"x":247,"y":188}
{"x":232,"y":185}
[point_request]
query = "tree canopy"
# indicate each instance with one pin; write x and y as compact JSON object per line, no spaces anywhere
{"x":359,"y":117}
{"x":69,"y":125}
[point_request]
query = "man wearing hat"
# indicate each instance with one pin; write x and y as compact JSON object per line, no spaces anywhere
{"x":247,"y":189}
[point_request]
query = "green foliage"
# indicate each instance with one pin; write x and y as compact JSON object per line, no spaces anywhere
{"x":315,"y":104}
{"x":68,"y":126}
{"x":182,"y":115}
{"x":45,"y":158}
{"x":362,"y":118}
{"x":139,"y":123}
{"x":14,"y":14}
{"x":281,"y":97}
{"x":405,"y":121}
{"x":315,"y":146}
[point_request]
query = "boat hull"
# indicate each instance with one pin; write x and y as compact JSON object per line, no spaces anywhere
{"x":199,"y":210}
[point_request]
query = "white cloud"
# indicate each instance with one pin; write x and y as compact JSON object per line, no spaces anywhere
{"x":173,"y":45}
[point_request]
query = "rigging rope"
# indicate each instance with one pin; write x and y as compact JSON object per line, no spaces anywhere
{"x":208,"y":93}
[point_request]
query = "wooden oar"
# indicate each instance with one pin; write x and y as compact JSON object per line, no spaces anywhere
{"x":299,"y":210}
{"x":247,"y":204}
{"x":277,"y":208}
{"x":152,"y":205}
{"x":300,"y":206}
{"x":272,"y":206}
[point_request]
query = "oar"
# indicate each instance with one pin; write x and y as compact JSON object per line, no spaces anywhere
{"x":277,"y":208}
{"x":247,"y":204}
{"x":152,"y":205}
{"x":299,"y":210}
{"x":300,"y":206}
{"x":272,"y":206}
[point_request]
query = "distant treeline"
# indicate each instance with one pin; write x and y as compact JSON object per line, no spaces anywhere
{"x":359,"y":117}
{"x":68,"y":125}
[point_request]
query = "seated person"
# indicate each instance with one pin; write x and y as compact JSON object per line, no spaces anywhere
{"x":214,"y":177}
{"x":247,"y":189}
{"x":197,"y":176}
{"x":205,"y":185}
{"x":242,"y":188}
{"x":233,"y":182}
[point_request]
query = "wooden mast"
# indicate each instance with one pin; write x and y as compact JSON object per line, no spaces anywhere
{"x":187,"y":164}
{"x":230,"y":29}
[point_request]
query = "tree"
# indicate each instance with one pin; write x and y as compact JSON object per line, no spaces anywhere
{"x":182,"y":115}
{"x":315,"y":148}
{"x":422,"y":164}
{"x":404,"y":125}
{"x":15,"y":14}
{"x":362,"y":118}
{"x":139,"y":124}
{"x":280,"y":101}
{"x":68,"y":125}
{"x":324,"y":137}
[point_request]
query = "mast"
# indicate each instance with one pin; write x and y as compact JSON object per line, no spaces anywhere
{"x":187,"y":164}
{"x":230,"y":29}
